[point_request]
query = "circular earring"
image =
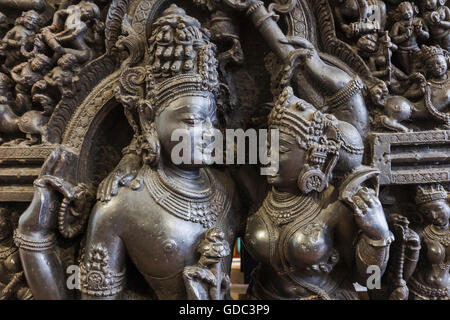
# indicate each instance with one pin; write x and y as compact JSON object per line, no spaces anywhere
{"x":311,"y":179}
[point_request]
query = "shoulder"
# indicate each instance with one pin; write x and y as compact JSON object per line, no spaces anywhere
{"x":111,"y":214}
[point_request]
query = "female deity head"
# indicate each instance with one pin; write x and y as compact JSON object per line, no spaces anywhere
{"x":435,"y":61}
{"x":182,"y":84}
{"x":432,"y":202}
{"x":311,"y":145}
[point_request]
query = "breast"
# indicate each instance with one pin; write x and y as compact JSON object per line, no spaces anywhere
{"x":257,"y":239}
{"x":310,"y":247}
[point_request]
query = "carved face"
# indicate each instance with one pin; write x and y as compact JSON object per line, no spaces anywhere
{"x":38,"y":63}
{"x":196,"y":116}
{"x":437,"y":212}
{"x":87,"y":10}
{"x":431,"y":4}
{"x":30,"y":20}
{"x":367,"y":45}
{"x":291,"y":162}
{"x":379,"y":94}
{"x":407,"y":11}
{"x":437,"y":66}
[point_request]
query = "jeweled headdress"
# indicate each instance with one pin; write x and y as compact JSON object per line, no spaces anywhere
{"x":428,"y":52}
{"x":289,"y":116}
{"x":317,"y":133}
{"x":429,"y":193}
{"x":182,"y":59}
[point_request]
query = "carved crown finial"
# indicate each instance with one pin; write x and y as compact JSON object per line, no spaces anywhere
{"x":182,"y":58}
{"x":429,"y":193}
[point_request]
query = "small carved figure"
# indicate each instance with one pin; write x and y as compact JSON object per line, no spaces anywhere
{"x":396,"y":108}
{"x":437,"y":17}
{"x":359,"y":17}
{"x":63,"y":75}
{"x":302,"y":235}
{"x":406,"y":32}
{"x":431,"y":93}
{"x":377,"y":50}
{"x":18,"y":40}
{"x":32,"y":123}
{"x":207,"y":280}
{"x":26,"y":75}
{"x":431,"y":280}
{"x":12,"y":280}
{"x":67,"y":33}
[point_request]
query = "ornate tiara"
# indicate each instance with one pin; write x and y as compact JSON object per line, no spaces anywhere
{"x":429,"y":193}
{"x":291,"y":121}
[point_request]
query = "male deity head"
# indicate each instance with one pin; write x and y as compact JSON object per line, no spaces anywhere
{"x":311,"y":143}
{"x":182,"y":84}
{"x":435,"y":61}
{"x":432,"y":202}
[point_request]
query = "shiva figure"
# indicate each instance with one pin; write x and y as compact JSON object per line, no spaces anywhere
{"x":174,"y":218}
{"x":314,"y":240}
{"x":431,"y":280}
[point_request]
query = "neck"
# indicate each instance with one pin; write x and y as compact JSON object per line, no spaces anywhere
{"x":441,"y":228}
{"x":179,"y":172}
{"x":442,"y":77}
{"x":281,"y":194}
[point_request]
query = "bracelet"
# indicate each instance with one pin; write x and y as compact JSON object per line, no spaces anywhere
{"x":345,"y":93}
{"x":379,"y":243}
{"x":33,"y":243}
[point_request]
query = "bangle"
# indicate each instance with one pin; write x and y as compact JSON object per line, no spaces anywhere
{"x":379,"y":243}
{"x":34,"y":243}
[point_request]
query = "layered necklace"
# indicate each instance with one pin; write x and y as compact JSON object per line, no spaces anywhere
{"x":202,"y":206}
{"x":441,"y":236}
{"x":283,"y":207}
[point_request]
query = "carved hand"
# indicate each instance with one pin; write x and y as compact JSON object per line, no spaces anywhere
{"x":369,"y":214}
{"x":41,"y":215}
{"x":122,"y":175}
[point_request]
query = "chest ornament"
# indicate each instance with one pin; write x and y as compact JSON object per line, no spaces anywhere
{"x":198,"y":206}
